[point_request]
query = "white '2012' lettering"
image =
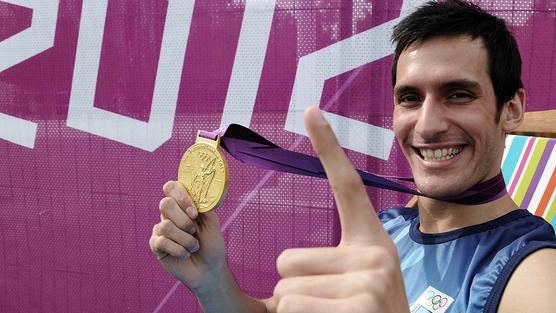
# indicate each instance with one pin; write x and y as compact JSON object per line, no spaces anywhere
{"x":313,"y":70}
{"x":20,"y":47}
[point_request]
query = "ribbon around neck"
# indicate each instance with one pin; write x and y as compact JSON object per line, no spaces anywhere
{"x":251,"y":148}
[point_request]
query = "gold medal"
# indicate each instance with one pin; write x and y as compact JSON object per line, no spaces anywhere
{"x":204,"y":173}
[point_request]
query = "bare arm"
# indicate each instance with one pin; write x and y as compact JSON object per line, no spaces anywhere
{"x":532,"y":286}
{"x":225,"y":296}
{"x":191,"y":248}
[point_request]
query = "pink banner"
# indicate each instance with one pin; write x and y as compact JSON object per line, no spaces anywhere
{"x":99,"y":100}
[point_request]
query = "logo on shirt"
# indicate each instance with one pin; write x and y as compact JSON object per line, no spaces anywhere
{"x":432,"y":301}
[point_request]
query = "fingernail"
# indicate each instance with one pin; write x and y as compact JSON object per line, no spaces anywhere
{"x":195,"y":249}
{"x":192,"y":230}
{"x":185,"y":255}
{"x":191,"y":212}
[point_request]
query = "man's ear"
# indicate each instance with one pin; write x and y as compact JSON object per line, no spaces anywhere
{"x":513,"y":111}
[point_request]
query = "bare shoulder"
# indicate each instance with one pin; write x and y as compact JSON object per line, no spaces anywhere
{"x":532,"y":286}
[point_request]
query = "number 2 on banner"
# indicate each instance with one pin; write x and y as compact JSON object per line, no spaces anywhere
{"x":84,"y":116}
{"x":20,"y":47}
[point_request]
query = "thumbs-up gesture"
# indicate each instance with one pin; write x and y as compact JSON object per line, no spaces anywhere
{"x":361,"y":274}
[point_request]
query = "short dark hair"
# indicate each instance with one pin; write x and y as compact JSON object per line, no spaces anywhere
{"x":456,"y":18}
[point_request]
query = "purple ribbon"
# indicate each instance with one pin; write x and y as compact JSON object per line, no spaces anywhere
{"x":251,"y":148}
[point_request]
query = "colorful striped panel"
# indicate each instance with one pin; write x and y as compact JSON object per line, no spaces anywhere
{"x":529,"y":169}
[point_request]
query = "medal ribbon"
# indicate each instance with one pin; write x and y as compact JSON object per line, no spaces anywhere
{"x":251,"y":148}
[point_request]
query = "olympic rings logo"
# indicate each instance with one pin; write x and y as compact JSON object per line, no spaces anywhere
{"x":436,"y":301}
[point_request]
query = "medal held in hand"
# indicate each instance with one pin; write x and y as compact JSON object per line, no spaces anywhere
{"x":204,"y":173}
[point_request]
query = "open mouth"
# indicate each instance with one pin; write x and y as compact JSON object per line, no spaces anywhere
{"x":440,"y":154}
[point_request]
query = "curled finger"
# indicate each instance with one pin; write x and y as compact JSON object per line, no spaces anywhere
{"x":168,"y":230}
{"x":170,"y":210}
{"x":311,"y":304}
{"x":161,"y":246}
{"x":178,"y":192}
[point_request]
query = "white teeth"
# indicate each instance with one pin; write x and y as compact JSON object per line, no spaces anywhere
{"x":440,"y":154}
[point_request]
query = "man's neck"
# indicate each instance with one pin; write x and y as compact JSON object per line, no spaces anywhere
{"x":439,"y":216}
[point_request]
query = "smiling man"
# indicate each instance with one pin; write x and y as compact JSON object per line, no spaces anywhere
{"x":457,"y":92}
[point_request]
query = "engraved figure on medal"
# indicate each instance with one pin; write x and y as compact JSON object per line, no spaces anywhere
{"x":202,"y":181}
{"x":204,"y":173}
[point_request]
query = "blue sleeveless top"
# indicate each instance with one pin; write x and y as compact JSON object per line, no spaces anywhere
{"x":464,"y":270}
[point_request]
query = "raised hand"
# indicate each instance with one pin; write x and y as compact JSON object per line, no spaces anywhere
{"x":363,"y":273}
{"x":189,"y":245}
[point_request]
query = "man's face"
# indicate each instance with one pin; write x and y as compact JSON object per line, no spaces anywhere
{"x":445,"y":114}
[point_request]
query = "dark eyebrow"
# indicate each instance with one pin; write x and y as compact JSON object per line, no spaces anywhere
{"x":452,"y":84}
{"x":461,"y":84}
{"x":401,"y":89}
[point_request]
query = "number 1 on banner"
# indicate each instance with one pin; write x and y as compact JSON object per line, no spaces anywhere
{"x":20,"y":47}
{"x":84,"y":116}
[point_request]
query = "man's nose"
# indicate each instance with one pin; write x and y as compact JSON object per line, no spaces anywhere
{"x":432,"y":119}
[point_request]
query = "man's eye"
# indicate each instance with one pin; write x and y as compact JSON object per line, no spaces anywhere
{"x":460,"y":97}
{"x":409,"y":99}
